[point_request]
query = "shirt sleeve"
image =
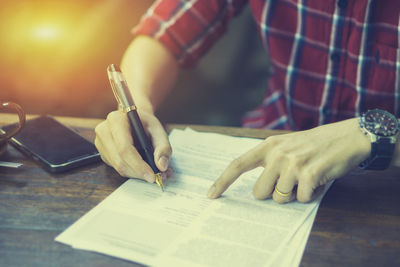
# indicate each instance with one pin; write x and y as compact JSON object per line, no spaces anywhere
{"x":188,"y":28}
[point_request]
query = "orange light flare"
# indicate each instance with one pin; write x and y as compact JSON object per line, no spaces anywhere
{"x":36,"y":35}
{"x":48,"y":48}
{"x":47,"y":32}
{"x":36,"y":26}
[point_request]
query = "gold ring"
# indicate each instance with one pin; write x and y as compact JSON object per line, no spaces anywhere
{"x":281,"y":193}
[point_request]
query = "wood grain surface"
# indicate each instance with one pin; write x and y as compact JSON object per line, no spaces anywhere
{"x":358,"y":222}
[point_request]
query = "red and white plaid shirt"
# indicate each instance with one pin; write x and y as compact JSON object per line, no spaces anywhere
{"x":330,"y":59}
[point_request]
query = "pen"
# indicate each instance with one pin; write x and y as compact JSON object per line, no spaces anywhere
{"x":127,"y":105}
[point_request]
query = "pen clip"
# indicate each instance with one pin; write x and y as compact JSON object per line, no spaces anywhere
{"x":120,"y":89}
{"x":116,"y":95}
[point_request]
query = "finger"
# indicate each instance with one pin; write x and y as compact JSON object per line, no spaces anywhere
{"x":165,"y":175}
{"x":265,"y":184}
{"x":102,"y":132}
{"x":100,"y":147}
{"x":308,"y":186}
{"x":169,"y":172}
{"x":244,"y":163}
{"x":307,"y":193}
{"x":127,"y":159}
{"x":162,"y":147}
{"x":317,"y":192}
{"x":283,"y":191}
{"x":109,"y":152}
{"x":304,"y":191}
{"x":284,"y":197}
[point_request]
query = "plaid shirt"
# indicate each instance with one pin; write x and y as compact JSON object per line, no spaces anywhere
{"x":330,"y":59}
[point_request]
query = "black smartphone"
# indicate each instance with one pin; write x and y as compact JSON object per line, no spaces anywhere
{"x":55,"y":146}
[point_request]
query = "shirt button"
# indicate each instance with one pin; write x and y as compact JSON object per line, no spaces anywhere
{"x":335,"y":57}
{"x":342,"y":3}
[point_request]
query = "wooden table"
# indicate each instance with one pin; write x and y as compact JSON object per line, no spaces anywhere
{"x":358,"y":222}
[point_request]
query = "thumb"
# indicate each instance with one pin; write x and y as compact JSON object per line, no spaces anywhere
{"x":162,"y":147}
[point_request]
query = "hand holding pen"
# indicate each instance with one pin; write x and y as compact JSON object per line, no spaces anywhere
{"x":123,"y":142}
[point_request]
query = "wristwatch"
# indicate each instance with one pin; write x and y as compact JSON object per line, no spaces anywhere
{"x":382,"y":128}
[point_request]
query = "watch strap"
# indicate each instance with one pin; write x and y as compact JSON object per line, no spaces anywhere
{"x":381,"y":155}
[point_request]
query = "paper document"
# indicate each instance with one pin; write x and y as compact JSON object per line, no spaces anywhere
{"x":182,"y":227}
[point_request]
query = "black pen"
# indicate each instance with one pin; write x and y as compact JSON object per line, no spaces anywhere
{"x":127,"y":105}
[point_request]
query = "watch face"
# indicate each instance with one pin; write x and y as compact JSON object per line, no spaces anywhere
{"x":381,"y":123}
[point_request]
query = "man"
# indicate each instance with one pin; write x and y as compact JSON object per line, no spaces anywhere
{"x":332,"y":60}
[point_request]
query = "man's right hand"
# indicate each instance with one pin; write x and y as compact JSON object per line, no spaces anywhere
{"x":115,"y":144}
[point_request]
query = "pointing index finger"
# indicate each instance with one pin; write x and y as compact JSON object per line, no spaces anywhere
{"x":240,"y":165}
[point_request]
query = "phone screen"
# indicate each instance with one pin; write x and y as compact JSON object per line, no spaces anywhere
{"x":58,"y":147}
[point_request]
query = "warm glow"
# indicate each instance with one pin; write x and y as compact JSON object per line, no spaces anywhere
{"x":38,"y":28}
{"x":54,"y":53}
{"x":46,"y":32}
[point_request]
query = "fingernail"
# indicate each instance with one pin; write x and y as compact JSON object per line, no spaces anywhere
{"x":163,"y":162}
{"x":149,"y":177}
{"x":211,"y":191}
